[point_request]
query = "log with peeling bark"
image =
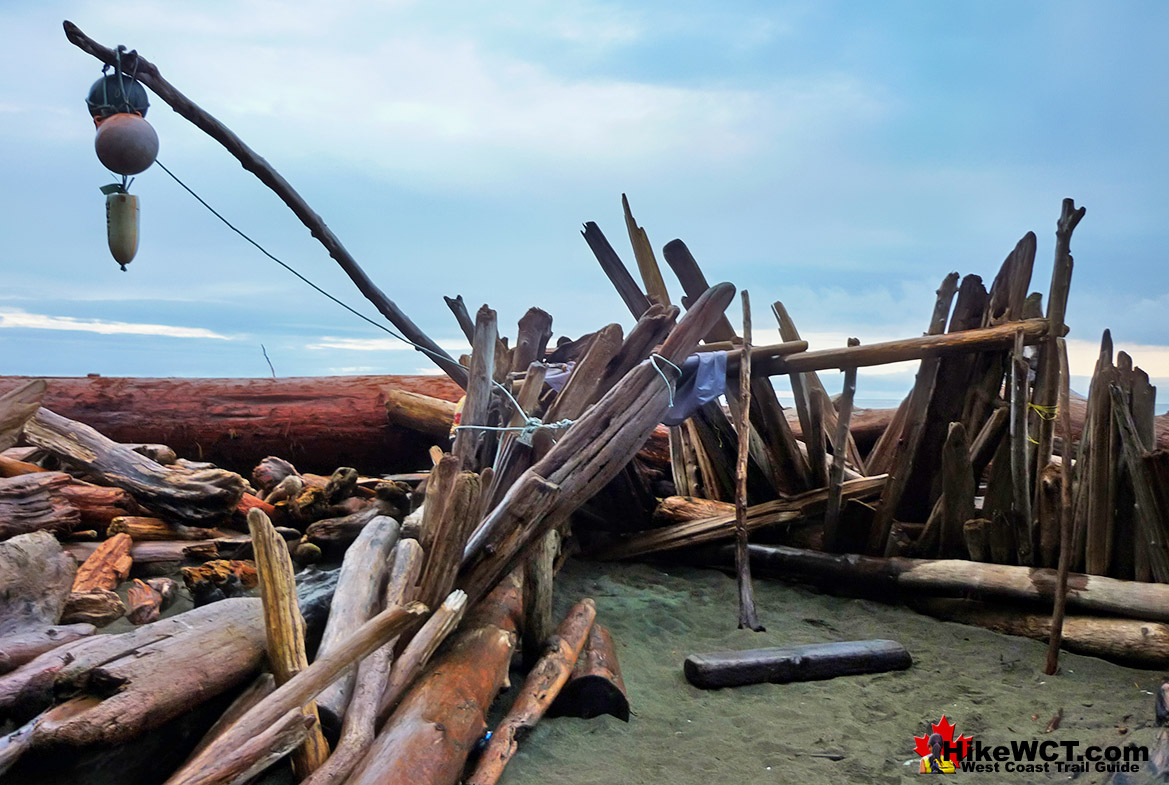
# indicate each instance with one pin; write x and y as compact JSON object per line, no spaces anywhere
{"x":284,"y":628}
{"x":317,"y":423}
{"x":540,"y":688}
{"x":98,"y":505}
{"x":36,"y":502}
{"x":36,"y":577}
{"x":595,"y":686}
{"x":210,"y":766}
{"x":358,"y":598}
{"x":194,"y":495}
{"x":438,"y":721}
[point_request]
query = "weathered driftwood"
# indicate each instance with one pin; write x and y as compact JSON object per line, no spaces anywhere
{"x":421,"y":648}
{"x":586,"y":458}
{"x":630,"y":293}
{"x":595,"y":686}
{"x":263,"y":686}
{"x":539,"y":689}
{"x":430,"y":734}
{"x":539,"y":571}
{"x":190,"y":495}
{"x":142,"y":528}
{"x":697,"y":530}
{"x":359,"y":596}
{"x":210,"y":766}
{"x":451,"y":512}
{"x":16,"y":407}
{"x":422,"y":413}
{"x":1021,"y":475}
{"x":336,"y":534}
{"x":360,"y":726}
{"x":284,"y":627}
{"x":905,"y":451}
{"x":795,"y":663}
{"x":748,"y":618}
{"x":1095,"y":516}
{"x":1051,"y":664}
{"x":98,"y":505}
{"x":1128,"y":641}
{"x":35,"y":502}
{"x":872,"y":574}
{"x":836,"y":475}
{"x":144,"y":602}
{"x":106,"y":567}
{"x":1151,"y":520}
{"x":35,"y":581}
{"x":473,"y":446}
{"x":98,"y":607}
{"x":136,"y":681}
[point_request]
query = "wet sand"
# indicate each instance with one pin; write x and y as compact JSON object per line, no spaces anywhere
{"x":851,"y":729}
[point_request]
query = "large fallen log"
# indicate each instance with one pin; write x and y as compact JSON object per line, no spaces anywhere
{"x":17,"y":405}
{"x":428,"y":737}
{"x":914,"y":577}
{"x":1142,"y":644}
{"x":192,"y":495}
{"x":317,"y":423}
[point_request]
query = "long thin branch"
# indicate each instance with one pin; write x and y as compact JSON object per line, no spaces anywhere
{"x":148,"y":74}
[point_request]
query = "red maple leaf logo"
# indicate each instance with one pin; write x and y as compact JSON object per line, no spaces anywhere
{"x":945,"y":729}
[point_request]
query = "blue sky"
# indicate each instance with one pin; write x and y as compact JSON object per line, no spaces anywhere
{"x":841,"y":157}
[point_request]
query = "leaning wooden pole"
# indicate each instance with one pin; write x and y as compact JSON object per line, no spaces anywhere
{"x":839,"y":442}
{"x":147,"y":73}
{"x":748,"y":619}
{"x":1065,"y":513}
{"x":287,"y":655}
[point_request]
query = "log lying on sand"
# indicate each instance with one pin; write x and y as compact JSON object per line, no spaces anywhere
{"x":871,"y":575}
{"x":1141,"y":644}
{"x":35,"y":502}
{"x":795,"y":663}
{"x":595,"y":686}
{"x":194,"y":495}
{"x":318,"y":423}
{"x":35,"y":580}
{"x":540,"y":688}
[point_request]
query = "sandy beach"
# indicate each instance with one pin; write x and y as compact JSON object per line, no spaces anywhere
{"x":852,"y":729}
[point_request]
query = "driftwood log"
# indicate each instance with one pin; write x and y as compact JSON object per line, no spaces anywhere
{"x":36,"y":577}
{"x":795,"y":663}
{"x":359,"y":597}
{"x":284,"y":630}
{"x":540,"y":688}
{"x":441,"y":717}
{"x":595,"y":686}
{"x":35,"y":502}
{"x":194,"y":495}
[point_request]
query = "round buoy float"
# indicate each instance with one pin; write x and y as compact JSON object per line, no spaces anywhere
{"x":126,"y":143}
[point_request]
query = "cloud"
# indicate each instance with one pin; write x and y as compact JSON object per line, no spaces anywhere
{"x":379,"y":345}
{"x":36,"y":321}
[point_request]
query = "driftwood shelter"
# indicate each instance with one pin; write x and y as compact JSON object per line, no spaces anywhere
{"x":361,"y":579}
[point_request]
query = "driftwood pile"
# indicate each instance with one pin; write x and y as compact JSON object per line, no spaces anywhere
{"x":383,"y":669}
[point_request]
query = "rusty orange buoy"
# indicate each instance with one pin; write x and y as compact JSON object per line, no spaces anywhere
{"x":126,"y":144}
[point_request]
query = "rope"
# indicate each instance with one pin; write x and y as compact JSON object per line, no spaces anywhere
{"x":669,"y":387}
{"x":531,"y":424}
{"x":1048,"y":413}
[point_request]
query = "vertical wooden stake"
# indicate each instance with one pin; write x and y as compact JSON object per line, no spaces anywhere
{"x":286,"y":651}
{"x":1020,"y":476}
{"x":836,"y":476}
{"x":747,"y":617}
{"x":1065,"y":513}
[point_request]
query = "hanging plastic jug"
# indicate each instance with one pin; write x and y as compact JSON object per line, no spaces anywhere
{"x":122,"y":225}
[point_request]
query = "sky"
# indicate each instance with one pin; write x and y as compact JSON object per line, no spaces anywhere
{"x":842,"y":157}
